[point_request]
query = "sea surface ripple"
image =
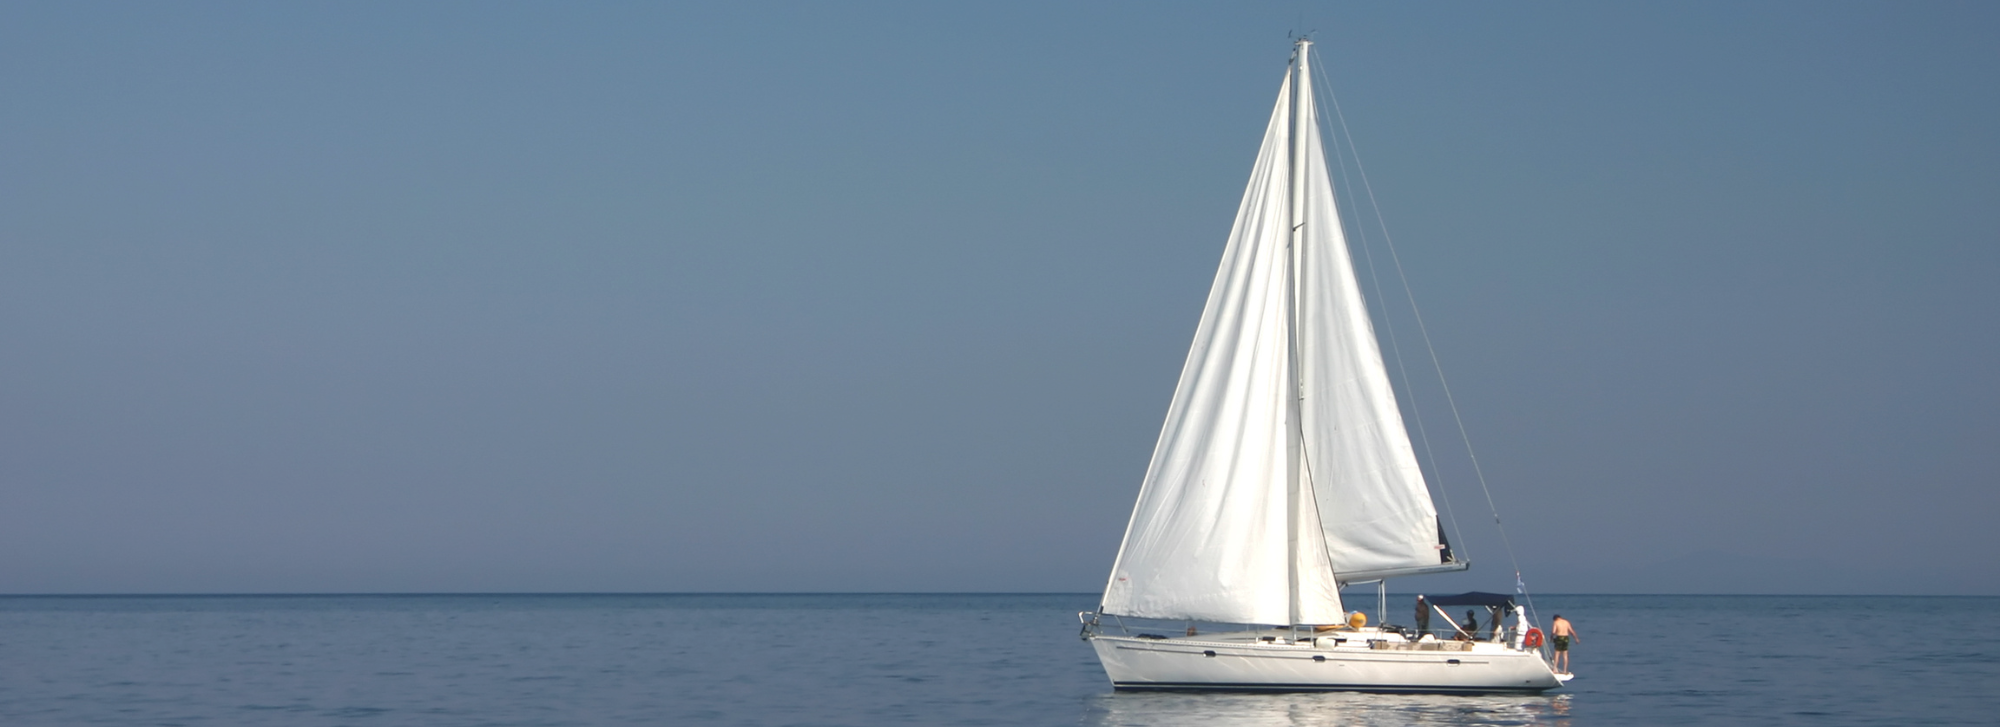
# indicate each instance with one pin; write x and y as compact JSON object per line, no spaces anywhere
{"x":922,"y":659}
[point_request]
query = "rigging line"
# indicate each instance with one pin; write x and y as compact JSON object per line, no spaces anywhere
{"x":1395,"y":346}
{"x":1305,"y":458}
{"x":1390,"y":242}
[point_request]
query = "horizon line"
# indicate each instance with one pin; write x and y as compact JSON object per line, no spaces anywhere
{"x":476,"y":594}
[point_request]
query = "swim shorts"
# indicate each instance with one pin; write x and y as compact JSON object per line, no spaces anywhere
{"x":1562,"y":643}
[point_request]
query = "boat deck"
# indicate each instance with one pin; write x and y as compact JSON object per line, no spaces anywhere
{"x":1368,"y":639}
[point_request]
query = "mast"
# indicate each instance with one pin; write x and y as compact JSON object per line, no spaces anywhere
{"x":1296,"y":217}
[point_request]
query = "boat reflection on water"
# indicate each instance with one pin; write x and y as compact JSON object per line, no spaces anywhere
{"x":1192,"y":709}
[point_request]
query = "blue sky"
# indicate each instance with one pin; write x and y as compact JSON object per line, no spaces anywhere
{"x":769,"y":297}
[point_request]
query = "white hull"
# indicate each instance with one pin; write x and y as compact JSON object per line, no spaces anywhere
{"x":1226,"y":664}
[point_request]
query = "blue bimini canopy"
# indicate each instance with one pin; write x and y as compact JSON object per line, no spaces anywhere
{"x":1475,"y":598}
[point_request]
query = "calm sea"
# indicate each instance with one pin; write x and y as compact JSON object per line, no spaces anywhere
{"x":923,"y":659}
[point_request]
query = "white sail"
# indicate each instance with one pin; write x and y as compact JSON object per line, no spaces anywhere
{"x":1374,"y":508}
{"x":1208,"y":537}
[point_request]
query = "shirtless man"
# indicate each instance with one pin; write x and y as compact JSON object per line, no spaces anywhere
{"x":1562,"y":634}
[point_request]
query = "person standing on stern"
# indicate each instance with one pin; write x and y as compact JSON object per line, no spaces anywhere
{"x":1562,"y":634}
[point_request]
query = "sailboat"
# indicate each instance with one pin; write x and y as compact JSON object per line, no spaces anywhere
{"x":1284,"y":472}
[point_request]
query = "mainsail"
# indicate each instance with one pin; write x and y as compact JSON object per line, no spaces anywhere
{"x":1274,"y":481}
{"x":1375,"y":512}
